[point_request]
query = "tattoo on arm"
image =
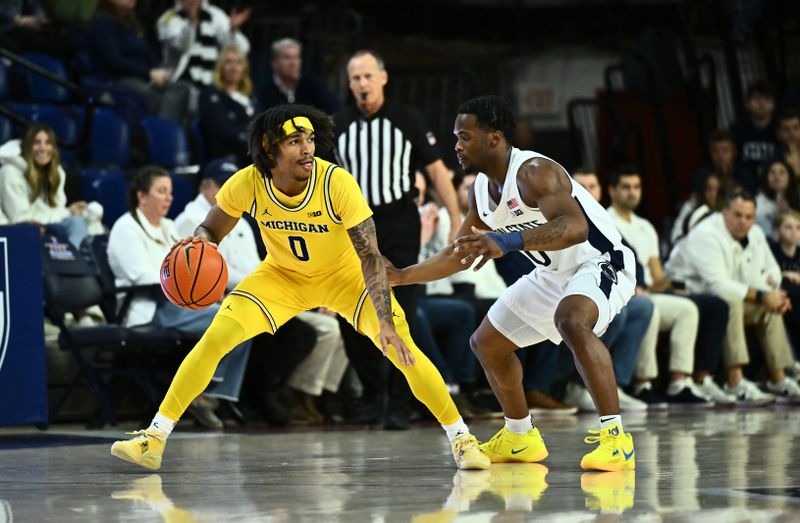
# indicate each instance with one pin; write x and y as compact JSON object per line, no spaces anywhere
{"x":547,"y":234}
{"x":365,"y":243}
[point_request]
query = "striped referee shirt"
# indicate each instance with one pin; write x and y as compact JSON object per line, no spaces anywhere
{"x":384,"y":151}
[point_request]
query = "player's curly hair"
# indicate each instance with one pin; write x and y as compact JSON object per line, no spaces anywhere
{"x":268,"y":124}
{"x":493,"y":114}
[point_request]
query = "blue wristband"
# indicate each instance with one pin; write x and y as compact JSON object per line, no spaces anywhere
{"x":511,"y":241}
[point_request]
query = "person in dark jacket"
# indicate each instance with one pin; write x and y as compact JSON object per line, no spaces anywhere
{"x":227,"y":107}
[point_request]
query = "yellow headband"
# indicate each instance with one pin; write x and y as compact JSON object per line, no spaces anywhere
{"x":293,"y":125}
{"x":290,"y":126}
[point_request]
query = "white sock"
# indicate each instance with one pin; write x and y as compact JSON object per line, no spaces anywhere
{"x":163,"y":424}
{"x":455,"y":430}
{"x":639,"y":387}
{"x":607,"y":421}
{"x":519,"y":426}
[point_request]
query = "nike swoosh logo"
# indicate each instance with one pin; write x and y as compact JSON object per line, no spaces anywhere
{"x":186,"y":253}
{"x":627,"y":455}
{"x":518,"y":450}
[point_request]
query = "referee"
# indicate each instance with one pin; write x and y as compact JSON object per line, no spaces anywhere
{"x":383,"y":143}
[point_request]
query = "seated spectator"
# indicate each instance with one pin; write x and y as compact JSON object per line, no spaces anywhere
{"x":784,"y":248}
{"x":754,"y":132}
{"x":121,"y":54}
{"x":679,"y":315}
{"x":288,"y":84}
{"x":726,"y":256}
{"x":708,"y":199}
{"x":32,"y":182}
{"x":778,"y":193}
{"x":227,"y":107}
{"x":722,"y":150}
{"x":137,"y":244}
{"x":789,"y":138}
{"x":192,"y":34}
{"x":25,"y":26}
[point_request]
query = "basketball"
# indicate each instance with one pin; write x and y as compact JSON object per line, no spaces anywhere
{"x":194,"y":275}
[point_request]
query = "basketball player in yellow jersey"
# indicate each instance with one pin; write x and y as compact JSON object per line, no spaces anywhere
{"x":323,"y":252}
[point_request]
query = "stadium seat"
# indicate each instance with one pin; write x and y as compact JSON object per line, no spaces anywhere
{"x":183,"y":191}
{"x":199,"y":153}
{"x":40,"y":88}
{"x":6,"y":132}
{"x":91,"y":174}
{"x":110,"y":143}
{"x":3,"y":81}
{"x":25,"y":110}
{"x":166,"y":142}
{"x":112,"y":193}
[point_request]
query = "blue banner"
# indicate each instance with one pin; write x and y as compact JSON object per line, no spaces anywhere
{"x":23,"y":373}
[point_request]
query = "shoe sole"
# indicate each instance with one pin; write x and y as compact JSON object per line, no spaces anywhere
{"x":118,"y":451}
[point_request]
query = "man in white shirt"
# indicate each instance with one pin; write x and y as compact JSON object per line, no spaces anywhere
{"x":239,"y":247}
{"x":677,"y":314}
{"x":726,"y":256}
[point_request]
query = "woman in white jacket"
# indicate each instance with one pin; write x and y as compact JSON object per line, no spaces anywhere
{"x":32,"y":187}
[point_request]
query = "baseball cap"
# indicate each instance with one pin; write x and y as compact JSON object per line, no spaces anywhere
{"x":220,"y":170}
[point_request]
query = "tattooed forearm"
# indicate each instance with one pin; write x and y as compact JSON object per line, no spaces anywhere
{"x":553,"y":235}
{"x":365,"y":243}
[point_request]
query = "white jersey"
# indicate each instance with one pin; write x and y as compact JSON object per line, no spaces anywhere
{"x":511,"y":214}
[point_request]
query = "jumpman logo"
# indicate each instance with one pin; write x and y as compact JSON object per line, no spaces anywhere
{"x":228,"y":307}
{"x":266,"y":211}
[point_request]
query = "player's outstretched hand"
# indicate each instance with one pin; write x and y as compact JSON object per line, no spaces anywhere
{"x":477,"y":245}
{"x":190,"y":239}
{"x":388,"y":336}
{"x":392,"y":272}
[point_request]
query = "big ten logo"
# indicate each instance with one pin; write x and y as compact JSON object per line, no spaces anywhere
{"x":314,"y":214}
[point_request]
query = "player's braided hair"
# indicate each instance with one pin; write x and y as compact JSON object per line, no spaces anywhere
{"x":493,"y":114}
{"x":268,"y":124}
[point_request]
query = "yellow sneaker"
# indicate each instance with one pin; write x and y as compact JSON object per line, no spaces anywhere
{"x":614,"y":453}
{"x":468,"y":454}
{"x":609,"y":492}
{"x":519,"y":484}
{"x":509,"y":447}
{"x":144,"y":449}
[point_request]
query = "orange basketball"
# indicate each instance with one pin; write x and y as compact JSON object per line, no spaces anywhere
{"x":194,"y":275}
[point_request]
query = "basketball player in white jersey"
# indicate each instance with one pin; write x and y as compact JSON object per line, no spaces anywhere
{"x":583,"y":276}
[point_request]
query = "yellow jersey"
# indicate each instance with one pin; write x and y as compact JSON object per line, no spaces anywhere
{"x":306,"y":233}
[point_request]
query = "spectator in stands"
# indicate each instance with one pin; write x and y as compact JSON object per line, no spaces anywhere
{"x":784,"y":248}
{"x":789,"y":137}
{"x":778,"y":193}
{"x":724,"y":164}
{"x":121,"y":54}
{"x":288,"y":83}
{"x":704,"y":201}
{"x":25,"y":26}
{"x":754,"y":132}
{"x":726,"y":256}
{"x":32,"y":188}
{"x":227,"y":107}
{"x":192,"y":34}
{"x":680,"y":315}
{"x":137,"y":244}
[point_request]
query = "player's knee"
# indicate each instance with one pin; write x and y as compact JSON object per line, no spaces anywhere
{"x":572,"y":327}
{"x":222,"y":336}
{"x":478,"y":345}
